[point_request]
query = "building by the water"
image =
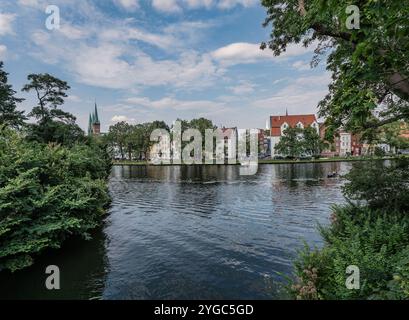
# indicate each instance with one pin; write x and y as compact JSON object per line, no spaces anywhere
{"x":94,"y":125}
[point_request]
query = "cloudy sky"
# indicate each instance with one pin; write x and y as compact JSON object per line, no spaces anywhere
{"x":145,"y":60}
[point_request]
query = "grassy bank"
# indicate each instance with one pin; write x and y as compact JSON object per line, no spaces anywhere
{"x":321,"y":160}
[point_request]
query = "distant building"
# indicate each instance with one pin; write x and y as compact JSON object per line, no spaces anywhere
{"x":230,"y":136}
{"x":94,"y":125}
{"x":278,"y":124}
{"x":344,"y":144}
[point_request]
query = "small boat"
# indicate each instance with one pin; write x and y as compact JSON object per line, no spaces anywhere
{"x":333,"y":175}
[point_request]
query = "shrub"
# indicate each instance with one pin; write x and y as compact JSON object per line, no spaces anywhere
{"x":384,"y":187}
{"x":376,"y":242}
{"x":47,"y":193}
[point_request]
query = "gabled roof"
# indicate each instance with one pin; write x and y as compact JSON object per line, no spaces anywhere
{"x":292,"y":121}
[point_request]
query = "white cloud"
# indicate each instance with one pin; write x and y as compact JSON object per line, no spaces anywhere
{"x":166,"y":6}
{"x":72,"y":32}
{"x":176,"y":6}
{"x":301,"y":96}
{"x":244,"y":87}
{"x":128,"y":4}
{"x":124,"y":34}
{"x":116,"y":119}
{"x":301,"y":65}
{"x":228,"y":4}
{"x":110,"y":60}
{"x":6,"y":21}
{"x":102,"y":66}
{"x":3,"y":51}
{"x":30,"y":3}
{"x":243,"y":53}
{"x":169,"y":103}
{"x":73,"y":98}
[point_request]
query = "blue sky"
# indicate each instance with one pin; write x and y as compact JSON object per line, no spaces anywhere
{"x":145,"y":60}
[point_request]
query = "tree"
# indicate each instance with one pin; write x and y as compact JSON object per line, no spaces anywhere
{"x":118,"y":135}
{"x":50,"y":93}
{"x":291,"y":143}
{"x":313,"y":145}
{"x":53,"y":124}
{"x":392,"y":135}
{"x":9,"y":115}
{"x":369,"y":65}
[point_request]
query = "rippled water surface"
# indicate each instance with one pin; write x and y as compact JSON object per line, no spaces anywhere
{"x":201,"y":232}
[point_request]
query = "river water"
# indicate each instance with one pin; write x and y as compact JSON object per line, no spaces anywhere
{"x":201,"y":232}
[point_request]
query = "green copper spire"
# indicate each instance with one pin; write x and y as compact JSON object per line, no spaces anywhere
{"x":96,"y":118}
{"x":90,"y":125}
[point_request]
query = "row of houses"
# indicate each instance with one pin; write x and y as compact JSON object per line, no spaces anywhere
{"x":345,"y":143}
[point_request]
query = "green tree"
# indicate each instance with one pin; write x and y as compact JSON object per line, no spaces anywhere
{"x":392,"y":135}
{"x":291,"y":143}
{"x":369,"y":65}
{"x":202,"y":124}
{"x":313,"y":145}
{"x":50,"y":92}
{"x":118,"y":135}
{"x":9,"y":115}
{"x":53,"y":124}
{"x":48,"y":193}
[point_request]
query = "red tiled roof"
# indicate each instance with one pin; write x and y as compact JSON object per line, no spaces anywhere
{"x":292,"y":121}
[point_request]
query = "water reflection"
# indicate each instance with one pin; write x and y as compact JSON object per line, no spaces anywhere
{"x":207,"y":232}
{"x":83,"y":267}
{"x":198,"y":232}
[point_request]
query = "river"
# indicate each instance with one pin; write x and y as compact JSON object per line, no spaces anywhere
{"x":200,"y":232}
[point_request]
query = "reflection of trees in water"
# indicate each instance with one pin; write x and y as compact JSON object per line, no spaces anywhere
{"x":83,"y":269}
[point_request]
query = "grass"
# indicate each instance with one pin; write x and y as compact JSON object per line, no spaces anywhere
{"x":321,"y":160}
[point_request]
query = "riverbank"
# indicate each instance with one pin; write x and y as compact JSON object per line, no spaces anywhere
{"x":272,"y":161}
{"x":366,"y":247}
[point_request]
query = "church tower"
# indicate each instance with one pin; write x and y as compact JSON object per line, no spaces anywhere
{"x":94,"y":125}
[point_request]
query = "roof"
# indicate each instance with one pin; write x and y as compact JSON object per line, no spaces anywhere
{"x":292,"y":121}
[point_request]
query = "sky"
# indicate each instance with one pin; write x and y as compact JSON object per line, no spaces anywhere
{"x":146,"y":60}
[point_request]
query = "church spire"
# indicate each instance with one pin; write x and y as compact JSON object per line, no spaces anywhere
{"x":286,"y":112}
{"x":90,"y":125}
{"x":96,"y":118}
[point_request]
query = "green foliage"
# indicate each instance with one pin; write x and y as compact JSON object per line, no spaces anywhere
{"x":313,"y":145}
{"x":9,"y":115}
{"x":376,"y":242}
{"x":47,"y":193}
{"x":391,"y":135}
{"x":133,"y":140}
{"x":369,"y":65}
{"x":380,"y":186}
{"x":379,"y":152}
{"x":297,"y":142}
{"x":53,"y":124}
{"x":291,"y":143}
{"x":373,"y":236}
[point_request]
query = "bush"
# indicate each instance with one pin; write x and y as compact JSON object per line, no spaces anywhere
{"x":384,"y":187}
{"x":378,"y":243}
{"x":372,"y":234}
{"x":47,"y":193}
{"x":379,"y":152}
